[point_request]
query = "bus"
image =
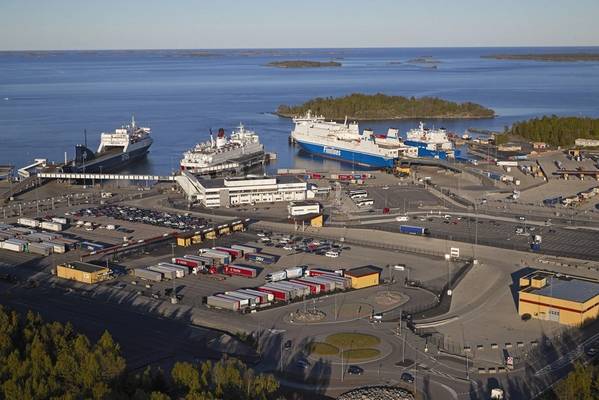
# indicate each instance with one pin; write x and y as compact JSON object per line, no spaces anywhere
{"x":364,"y":202}
{"x":358,"y":194}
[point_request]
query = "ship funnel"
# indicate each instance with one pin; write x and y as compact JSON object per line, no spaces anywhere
{"x":220,"y":138}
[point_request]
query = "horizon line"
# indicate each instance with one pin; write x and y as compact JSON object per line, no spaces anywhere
{"x":304,"y":48}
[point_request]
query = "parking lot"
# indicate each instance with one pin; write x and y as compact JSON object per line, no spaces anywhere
{"x":192,"y":289}
{"x":556,"y":241}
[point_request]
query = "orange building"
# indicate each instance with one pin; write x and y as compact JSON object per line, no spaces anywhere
{"x":567,"y":299}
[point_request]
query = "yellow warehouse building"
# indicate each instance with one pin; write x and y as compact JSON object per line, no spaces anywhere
{"x":567,"y":299}
{"x":82,"y":272}
{"x":363,"y":277}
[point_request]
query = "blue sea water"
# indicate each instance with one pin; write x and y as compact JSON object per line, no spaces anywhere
{"x":47,"y":99}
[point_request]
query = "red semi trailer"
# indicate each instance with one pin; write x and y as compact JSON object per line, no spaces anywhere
{"x":240,"y":270}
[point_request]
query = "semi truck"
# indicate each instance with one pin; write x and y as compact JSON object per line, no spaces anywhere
{"x":240,"y":270}
{"x":223,"y":302}
{"x":148,"y":275}
{"x":289,"y":273}
{"x":413,"y":230}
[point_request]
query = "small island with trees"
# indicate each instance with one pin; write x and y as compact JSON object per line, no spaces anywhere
{"x":363,"y":107}
{"x":303,"y":64}
{"x":556,"y":131}
{"x":556,"y":57}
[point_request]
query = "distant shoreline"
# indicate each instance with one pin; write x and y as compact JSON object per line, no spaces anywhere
{"x":361,"y":119}
{"x":551,"y":57}
{"x":382,"y":107}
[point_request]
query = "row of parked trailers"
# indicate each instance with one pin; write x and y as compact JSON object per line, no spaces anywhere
{"x":20,"y":239}
{"x":208,"y":261}
{"x":315,"y":282}
{"x":56,"y":224}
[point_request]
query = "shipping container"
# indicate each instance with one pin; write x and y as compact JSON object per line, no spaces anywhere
{"x":340,"y":282}
{"x":60,"y":220}
{"x":242,"y":306}
{"x":57,"y":247}
{"x":244,"y":299}
{"x":51,"y":226}
{"x":240,"y":270}
{"x":261,"y":258}
{"x":265,"y":297}
{"x":245,"y":249}
{"x":278,"y":294}
{"x":183,"y":270}
{"x":166,"y":273}
{"x":293,"y":292}
{"x":14,"y":245}
{"x":186,"y":262}
{"x":220,"y":256}
{"x":28,"y":222}
{"x":222,"y":302}
{"x":302,"y":289}
{"x":253,"y":298}
{"x":146,"y":274}
{"x":232,"y":252}
{"x":295,"y":272}
{"x":206,"y":261}
{"x":325,"y":286}
{"x":314,"y":287}
{"x":317,"y":272}
{"x":39,"y":248}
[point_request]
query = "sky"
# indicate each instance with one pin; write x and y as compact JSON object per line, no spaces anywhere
{"x":205,"y":24}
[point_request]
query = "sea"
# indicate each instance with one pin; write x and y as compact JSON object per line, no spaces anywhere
{"x":49,"y":99}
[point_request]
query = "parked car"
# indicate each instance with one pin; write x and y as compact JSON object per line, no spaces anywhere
{"x":332,"y":254}
{"x":303,"y":364}
{"x":407,"y":377}
{"x":355,"y":370}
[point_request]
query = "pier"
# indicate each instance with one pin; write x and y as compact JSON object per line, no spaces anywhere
{"x":105,"y":177}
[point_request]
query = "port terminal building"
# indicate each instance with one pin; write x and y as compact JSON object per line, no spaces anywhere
{"x":234,"y":191}
{"x":569,"y":300}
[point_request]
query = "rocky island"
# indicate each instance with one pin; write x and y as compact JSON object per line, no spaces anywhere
{"x":363,"y":107}
{"x":557,"y":57}
{"x":303,"y":64}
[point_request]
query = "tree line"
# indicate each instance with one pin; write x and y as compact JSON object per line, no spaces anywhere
{"x":40,"y":360}
{"x":557,"y":131}
{"x":582,"y":383}
{"x":357,"y":106}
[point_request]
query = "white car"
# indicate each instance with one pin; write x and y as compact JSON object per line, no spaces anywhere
{"x":332,"y":254}
{"x":402,"y":218}
{"x":288,"y":247}
{"x":385,"y":187}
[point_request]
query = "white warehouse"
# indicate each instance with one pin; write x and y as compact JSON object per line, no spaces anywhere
{"x":233,"y":191}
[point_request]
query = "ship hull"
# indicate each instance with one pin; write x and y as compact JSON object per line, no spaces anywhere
{"x":349,"y":156}
{"x":423,"y":151}
{"x":113,"y":162}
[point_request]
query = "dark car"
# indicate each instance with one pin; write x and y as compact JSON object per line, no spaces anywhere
{"x":355,"y":370}
{"x":288,"y":344}
{"x":407,"y":377}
